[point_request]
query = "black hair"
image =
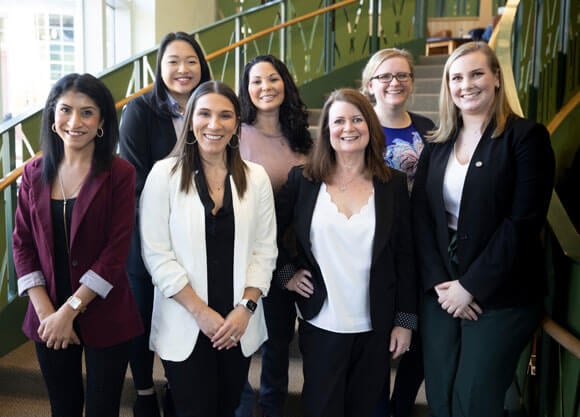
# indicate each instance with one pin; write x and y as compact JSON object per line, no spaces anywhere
{"x":52,"y":145}
{"x":159,"y":97}
{"x":293,"y":114}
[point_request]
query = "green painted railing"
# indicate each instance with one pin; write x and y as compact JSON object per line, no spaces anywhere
{"x":539,"y":43}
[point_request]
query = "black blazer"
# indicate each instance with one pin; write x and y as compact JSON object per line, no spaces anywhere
{"x":146,"y":136}
{"x":422,"y":124}
{"x":503,"y":209}
{"x":392,"y":275}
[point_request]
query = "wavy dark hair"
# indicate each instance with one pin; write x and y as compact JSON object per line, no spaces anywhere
{"x":52,"y":145}
{"x":186,"y":149}
{"x":293,"y":114}
{"x":321,"y":162}
{"x":159,"y":96}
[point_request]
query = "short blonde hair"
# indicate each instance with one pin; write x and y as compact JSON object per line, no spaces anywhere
{"x":376,"y":60}
{"x":449,"y":114}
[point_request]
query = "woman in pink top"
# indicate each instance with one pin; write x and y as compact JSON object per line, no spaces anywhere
{"x":274,"y":134}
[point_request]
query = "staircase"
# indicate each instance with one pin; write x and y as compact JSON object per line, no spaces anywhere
{"x":428,"y":75}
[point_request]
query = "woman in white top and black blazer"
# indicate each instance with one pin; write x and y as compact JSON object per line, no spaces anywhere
{"x":353,"y":277}
{"x":480,"y":200}
{"x":208,"y":233}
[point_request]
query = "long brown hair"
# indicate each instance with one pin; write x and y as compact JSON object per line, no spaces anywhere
{"x":186,"y":149}
{"x":449,"y":114}
{"x":321,"y":163}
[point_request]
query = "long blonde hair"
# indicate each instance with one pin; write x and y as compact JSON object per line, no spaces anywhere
{"x":375,"y":61}
{"x":449,"y":114}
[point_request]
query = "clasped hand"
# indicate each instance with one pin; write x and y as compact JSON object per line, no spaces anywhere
{"x":224,"y":333}
{"x":56,"y":329}
{"x":457,"y":301}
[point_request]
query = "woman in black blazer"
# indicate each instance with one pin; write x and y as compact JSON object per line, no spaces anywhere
{"x":480,"y":201}
{"x":149,"y":128}
{"x":354,"y":277}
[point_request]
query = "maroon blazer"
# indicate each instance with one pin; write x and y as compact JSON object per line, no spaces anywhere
{"x":101,"y":227}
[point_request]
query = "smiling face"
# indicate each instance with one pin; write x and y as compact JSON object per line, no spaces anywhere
{"x":214,"y":122}
{"x":180,"y":69}
{"x":395,"y":93}
{"x":266,"y":87}
{"x":349,"y":131}
{"x":472,"y":84}
{"x":76,"y":120}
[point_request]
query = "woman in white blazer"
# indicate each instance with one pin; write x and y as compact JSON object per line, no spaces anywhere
{"x":208,"y":235}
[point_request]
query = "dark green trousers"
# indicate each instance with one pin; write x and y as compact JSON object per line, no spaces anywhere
{"x":469,"y":365}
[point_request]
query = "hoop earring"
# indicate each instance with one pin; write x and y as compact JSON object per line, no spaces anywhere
{"x":53,"y":127}
{"x":237,"y":144}
{"x":190,"y":135}
{"x":101,"y":133}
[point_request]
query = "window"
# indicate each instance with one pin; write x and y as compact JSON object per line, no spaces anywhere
{"x":57,"y":34}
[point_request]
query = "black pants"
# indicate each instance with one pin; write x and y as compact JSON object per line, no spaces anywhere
{"x":209,"y":382}
{"x":62,"y":373}
{"x":343,"y":373}
{"x":469,"y":364}
{"x":141,"y":357}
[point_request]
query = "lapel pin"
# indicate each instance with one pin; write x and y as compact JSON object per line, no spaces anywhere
{"x":479,"y":164}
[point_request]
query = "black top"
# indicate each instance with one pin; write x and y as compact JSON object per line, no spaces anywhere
{"x":61,"y":261}
{"x":219,"y":239}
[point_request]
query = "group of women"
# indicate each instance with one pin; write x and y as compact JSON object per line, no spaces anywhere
{"x":222,"y":221}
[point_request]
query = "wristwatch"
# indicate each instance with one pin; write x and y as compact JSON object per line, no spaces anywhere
{"x":249,"y":304}
{"x":76,"y":304}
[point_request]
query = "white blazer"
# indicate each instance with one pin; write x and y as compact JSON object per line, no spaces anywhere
{"x":174,"y":251}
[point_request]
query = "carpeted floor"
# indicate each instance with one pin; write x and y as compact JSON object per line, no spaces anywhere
{"x":22,"y":392}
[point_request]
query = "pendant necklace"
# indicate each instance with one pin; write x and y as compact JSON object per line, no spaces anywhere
{"x":64,"y":202}
{"x":342,"y":187}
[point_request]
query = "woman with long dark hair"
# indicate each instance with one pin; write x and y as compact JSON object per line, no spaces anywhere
{"x":150,"y":125}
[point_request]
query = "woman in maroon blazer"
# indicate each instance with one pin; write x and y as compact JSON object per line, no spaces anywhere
{"x":71,"y":240}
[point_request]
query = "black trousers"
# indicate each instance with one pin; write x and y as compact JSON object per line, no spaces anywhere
{"x":343,"y":373}
{"x":62,"y":373}
{"x":469,"y":364}
{"x":209,"y":382}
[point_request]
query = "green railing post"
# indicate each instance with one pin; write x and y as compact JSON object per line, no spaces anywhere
{"x":329,"y":38}
{"x":375,"y":6}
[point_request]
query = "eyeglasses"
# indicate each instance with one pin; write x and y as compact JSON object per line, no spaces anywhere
{"x":387,"y":77}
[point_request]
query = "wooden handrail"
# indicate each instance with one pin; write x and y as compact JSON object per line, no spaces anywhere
{"x":119,"y":105}
{"x":564,"y":338}
{"x":15,"y":173}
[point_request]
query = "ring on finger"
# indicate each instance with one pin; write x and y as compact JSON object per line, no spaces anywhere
{"x":233,"y":338}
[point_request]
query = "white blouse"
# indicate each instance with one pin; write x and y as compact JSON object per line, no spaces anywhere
{"x":343,"y":248}
{"x":453,"y":188}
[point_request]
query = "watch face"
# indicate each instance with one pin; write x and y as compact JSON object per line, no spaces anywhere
{"x":74,"y":302}
{"x":251,"y":305}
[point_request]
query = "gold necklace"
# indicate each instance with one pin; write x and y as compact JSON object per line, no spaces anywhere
{"x":342,"y":187}
{"x":64,"y":201}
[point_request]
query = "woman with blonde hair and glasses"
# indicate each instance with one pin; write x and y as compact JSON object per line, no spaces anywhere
{"x":388,"y":82}
{"x":480,"y":200}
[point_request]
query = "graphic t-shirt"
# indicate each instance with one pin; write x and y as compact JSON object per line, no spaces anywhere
{"x":404,"y":146}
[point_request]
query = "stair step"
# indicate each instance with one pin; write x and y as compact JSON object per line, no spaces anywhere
{"x":428,"y":71}
{"x":424,"y":103}
{"x":432,"y":60}
{"x":427,"y":85}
